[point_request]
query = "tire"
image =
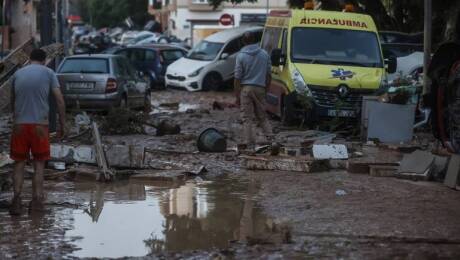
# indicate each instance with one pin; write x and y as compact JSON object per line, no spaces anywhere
{"x":454,"y":118}
{"x":212,"y":81}
{"x":286,"y":112}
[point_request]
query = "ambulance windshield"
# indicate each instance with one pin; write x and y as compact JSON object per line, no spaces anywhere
{"x":336,"y":47}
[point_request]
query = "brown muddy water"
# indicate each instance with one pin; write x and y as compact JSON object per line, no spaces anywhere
{"x":134,"y":219}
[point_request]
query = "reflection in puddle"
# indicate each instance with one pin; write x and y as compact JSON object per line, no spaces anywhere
{"x":135,"y":219}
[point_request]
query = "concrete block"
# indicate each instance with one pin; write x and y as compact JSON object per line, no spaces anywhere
{"x":331,"y":151}
{"x":72,"y":154}
{"x":125,"y":156}
{"x":417,"y":165}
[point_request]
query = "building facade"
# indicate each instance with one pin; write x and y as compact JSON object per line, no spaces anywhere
{"x":193,"y":20}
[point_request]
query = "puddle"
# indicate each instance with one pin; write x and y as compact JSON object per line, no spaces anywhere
{"x":135,"y":219}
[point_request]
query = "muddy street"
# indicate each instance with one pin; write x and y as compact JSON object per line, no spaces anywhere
{"x":228,"y":212}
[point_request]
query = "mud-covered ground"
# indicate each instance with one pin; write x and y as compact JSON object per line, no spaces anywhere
{"x":235,"y":213}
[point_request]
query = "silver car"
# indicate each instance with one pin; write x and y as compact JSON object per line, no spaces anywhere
{"x":102,"y":81}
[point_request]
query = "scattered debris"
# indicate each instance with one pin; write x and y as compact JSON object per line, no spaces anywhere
{"x":340,"y":193}
{"x":59,"y":166}
{"x":417,"y":165}
{"x":222,"y":105}
{"x":174,"y":105}
{"x":453,"y":169}
{"x":332,"y":151}
{"x":165,"y":127}
{"x":121,"y":121}
{"x":212,"y":140}
{"x":5,"y":159}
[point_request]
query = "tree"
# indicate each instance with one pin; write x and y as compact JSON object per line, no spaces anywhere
{"x":397,"y":15}
{"x":110,"y":13}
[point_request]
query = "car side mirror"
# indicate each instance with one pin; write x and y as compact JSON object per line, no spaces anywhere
{"x":224,"y":56}
{"x":278,"y":58}
{"x":391,"y":63}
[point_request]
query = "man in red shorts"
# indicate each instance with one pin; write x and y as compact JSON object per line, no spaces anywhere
{"x":31,"y":87}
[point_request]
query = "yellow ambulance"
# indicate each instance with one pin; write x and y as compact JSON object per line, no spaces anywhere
{"x":323,"y":60}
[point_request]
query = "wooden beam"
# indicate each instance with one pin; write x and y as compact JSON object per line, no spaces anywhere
{"x":100,"y":156}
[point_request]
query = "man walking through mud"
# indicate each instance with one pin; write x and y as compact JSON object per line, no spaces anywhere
{"x":31,"y":87}
{"x":252,"y":77}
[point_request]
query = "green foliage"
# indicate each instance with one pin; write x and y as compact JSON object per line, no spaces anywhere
{"x":111,"y":13}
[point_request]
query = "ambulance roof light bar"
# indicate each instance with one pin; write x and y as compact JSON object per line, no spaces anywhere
{"x":349,"y":8}
{"x":309,"y":5}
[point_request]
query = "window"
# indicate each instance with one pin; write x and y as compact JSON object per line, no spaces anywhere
{"x":233,"y":46}
{"x":172,"y":55}
{"x":271,"y":39}
{"x":150,"y":55}
{"x":120,"y":68}
{"x":200,"y":2}
{"x":137,"y":55}
{"x":205,"y":51}
{"x":335,"y":46}
{"x":284,"y":42}
{"x":85,"y":65}
{"x":258,"y":35}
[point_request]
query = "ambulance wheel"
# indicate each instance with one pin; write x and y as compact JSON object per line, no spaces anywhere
{"x":287,"y":116}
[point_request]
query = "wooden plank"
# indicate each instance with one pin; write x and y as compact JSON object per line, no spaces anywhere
{"x":100,"y":156}
{"x":291,"y":164}
{"x":452,"y":172}
{"x":383,"y":170}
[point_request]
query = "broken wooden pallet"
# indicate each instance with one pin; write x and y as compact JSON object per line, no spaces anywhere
{"x":274,"y":163}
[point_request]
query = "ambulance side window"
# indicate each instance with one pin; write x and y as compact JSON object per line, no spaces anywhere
{"x":284,"y":42}
{"x":271,"y":38}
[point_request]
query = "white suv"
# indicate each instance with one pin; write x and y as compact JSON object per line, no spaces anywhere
{"x":211,"y":62}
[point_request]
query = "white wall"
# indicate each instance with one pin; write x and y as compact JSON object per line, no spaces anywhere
{"x":183,"y":29}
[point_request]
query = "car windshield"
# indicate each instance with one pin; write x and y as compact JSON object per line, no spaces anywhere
{"x":172,"y":55}
{"x":85,"y":65}
{"x":205,"y":51}
{"x":335,"y":46}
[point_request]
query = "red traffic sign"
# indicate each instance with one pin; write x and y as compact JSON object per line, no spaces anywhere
{"x":226,"y":19}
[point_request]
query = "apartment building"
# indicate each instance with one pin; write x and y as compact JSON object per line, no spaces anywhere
{"x":196,"y":19}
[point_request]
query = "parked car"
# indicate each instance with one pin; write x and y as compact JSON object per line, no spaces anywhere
{"x":127,"y":37}
{"x":400,"y":37}
{"x":102,"y":81}
{"x":409,"y":59}
{"x":211,"y":62}
{"x":153,"y":60}
{"x":144,"y":37}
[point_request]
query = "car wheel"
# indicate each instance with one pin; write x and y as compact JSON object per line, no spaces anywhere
{"x":212,"y":81}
